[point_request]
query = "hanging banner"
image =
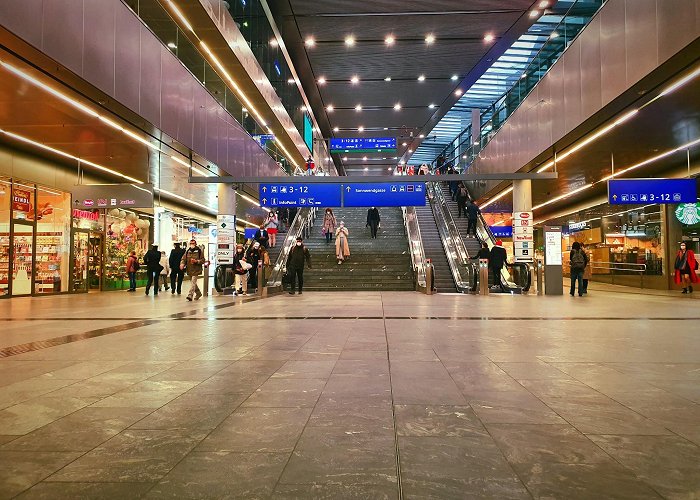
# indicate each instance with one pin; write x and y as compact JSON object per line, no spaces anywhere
{"x":225,"y":238}
{"x":523,"y":237}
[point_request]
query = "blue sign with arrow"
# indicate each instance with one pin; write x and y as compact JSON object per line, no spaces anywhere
{"x":300,"y":195}
{"x":390,"y":194}
{"x":662,"y":191}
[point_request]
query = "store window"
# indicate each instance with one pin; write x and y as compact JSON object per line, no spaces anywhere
{"x":53,"y":222}
{"x":125,"y":231}
{"x":5,"y":195}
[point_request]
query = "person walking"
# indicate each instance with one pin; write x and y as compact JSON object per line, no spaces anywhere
{"x":472,"y":215}
{"x":132,"y":265}
{"x":342,"y":249}
{"x":329,"y":224}
{"x":497,"y":259}
{"x":271,"y":224}
{"x":587,"y":271}
{"x":253,"y":256}
{"x":461,"y":200}
{"x":577,"y":263}
{"x":240,"y":271}
{"x":193,"y":263}
{"x":295,"y":265}
{"x":165,"y":270}
{"x":176,"y":274}
{"x":262,"y":236}
{"x":153,"y":268}
{"x":685,"y":267}
{"x":373,"y":220}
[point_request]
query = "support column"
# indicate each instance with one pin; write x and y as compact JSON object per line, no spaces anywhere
{"x":523,"y":237}
{"x":476,"y":125}
{"x":226,"y":225}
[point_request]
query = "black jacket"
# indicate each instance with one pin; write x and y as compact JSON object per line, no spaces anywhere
{"x":473,"y":211}
{"x":482,"y":254}
{"x":373,"y":215}
{"x":297,"y":256}
{"x":175,"y":258}
{"x":262,"y":236}
{"x":152,"y":260}
{"x":498,"y":257}
{"x":252,"y":256}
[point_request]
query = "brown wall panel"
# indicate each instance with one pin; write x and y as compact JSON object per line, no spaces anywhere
{"x":98,"y":56}
{"x":21,"y":18}
{"x":613,"y":57}
{"x":126,"y":67}
{"x":62,"y":32}
{"x":680,"y":15}
{"x":149,"y":85}
{"x":572,"y":86}
{"x":641,"y":38}
{"x":591,"y":93}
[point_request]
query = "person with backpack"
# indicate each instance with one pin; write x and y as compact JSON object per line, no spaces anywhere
{"x":472,"y":215}
{"x":132,"y":265}
{"x":577,"y":263}
{"x":462,"y":196}
{"x":685,"y":267}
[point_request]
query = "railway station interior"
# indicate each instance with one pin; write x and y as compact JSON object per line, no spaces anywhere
{"x":301,"y":249}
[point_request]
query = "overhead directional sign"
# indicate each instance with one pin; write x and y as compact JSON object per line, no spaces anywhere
{"x":626,"y":191}
{"x":390,"y":194}
{"x":363,"y":145}
{"x":300,"y":195}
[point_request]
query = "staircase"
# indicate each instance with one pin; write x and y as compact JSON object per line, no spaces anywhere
{"x":433,"y":249}
{"x":470,"y":242}
{"x":374,"y":264}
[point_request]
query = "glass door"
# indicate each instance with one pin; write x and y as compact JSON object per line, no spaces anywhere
{"x":22,"y":258}
{"x":95,"y":261}
{"x":80,"y":260}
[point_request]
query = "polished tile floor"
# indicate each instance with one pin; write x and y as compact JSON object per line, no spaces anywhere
{"x":350,"y":395}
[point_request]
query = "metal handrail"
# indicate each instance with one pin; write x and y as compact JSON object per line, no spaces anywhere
{"x":415,"y":242}
{"x":300,"y":226}
{"x":640,"y":268}
{"x":463,"y":270}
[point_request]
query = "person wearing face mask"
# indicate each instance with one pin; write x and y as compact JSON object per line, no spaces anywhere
{"x":295,"y":265}
{"x":252,"y":256}
{"x":329,"y":224}
{"x":240,"y":271}
{"x":271,"y":223}
{"x":262,"y":236}
{"x":342,"y":249}
{"x":192,"y":263}
{"x":373,"y":220}
{"x":685,"y":267}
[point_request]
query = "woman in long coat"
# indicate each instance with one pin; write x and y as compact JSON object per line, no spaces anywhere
{"x":342,"y":249}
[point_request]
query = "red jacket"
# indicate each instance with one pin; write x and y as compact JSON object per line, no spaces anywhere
{"x":130,"y":261}
{"x":692,"y":264}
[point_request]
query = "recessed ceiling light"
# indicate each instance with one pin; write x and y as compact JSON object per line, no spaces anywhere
{"x":303,"y":108}
{"x":464,"y":157}
{"x":534,"y":13}
{"x":554,"y":34}
{"x":172,"y":45}
{"x":523,"y":76}
{"x":397,"y":106}
{"x":358,"y":107}
{"x":345,"y":158}
{"x":366,"y":168}
{"x":389,"y":40}
{"x":488,"y":37}
{"x":290,"y":80}
{"x":364,"y":158}
{"x":349,"y":41}
{"x":329,"y":107}
{"x":421,"y":78}
{"x":389,"y":169}
{"x":410,"y":151}
{"x":387,"y":79}
{"x":386,"y":128}
{"x":355,"y":79}
{"x":310,"y":42}
{"x":422,"y":136}
{"x":360,"y":128}
{"x":404,"y":144}
{"x":454,"y":78}
{"x":431,"y":106}
{"x":321,"y":81}
{"x":544,"y":4}
{"x":459,"y":92}
{"x":274,"y":42}
{"x":336,"y":129}
{"x":429,"y":38}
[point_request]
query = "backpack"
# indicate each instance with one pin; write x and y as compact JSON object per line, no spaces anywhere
{"x":136,"y":265}
{"x":578,"y":261}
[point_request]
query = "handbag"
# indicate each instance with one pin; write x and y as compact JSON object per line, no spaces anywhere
{"x":323,"y":231}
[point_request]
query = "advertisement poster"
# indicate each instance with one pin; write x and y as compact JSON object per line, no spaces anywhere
{"x":21,"y":200}
{"x":523,"y":237}
{"x":552,"y":248}
{"x":225,"y":238}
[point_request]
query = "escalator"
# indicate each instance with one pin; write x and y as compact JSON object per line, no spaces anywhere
{"x":434,"y":250}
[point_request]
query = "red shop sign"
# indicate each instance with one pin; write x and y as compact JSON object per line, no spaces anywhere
{"x":21,"y":200}
{"x":85,"y":214}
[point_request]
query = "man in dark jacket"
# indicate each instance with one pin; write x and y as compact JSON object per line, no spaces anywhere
{"x":295,"y":264}
{"x":472,"y":214}
{"x":176,"y":274}
{"x":262,"y":237}
{"x":497,"y":260}
{"x":193,"y":262}
{"x":373,"y":220}
{"x":461,"y":200}
{"x":252,"y":256}
{"x":153,"y":268}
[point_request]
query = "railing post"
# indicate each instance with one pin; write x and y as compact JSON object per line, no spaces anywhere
{"x":540,"y":281}
{"x":261,"y":278}
{"x":429,"y":277}
{"x":483,"y":276}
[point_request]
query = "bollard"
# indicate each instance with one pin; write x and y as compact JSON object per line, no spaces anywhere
{"x":429,"y":277}
{"x":539,"y":269}
{"x":484,"y":276}
{"x":261,"y":277}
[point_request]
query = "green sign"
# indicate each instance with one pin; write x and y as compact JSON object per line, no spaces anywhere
{"x":688,"y":213}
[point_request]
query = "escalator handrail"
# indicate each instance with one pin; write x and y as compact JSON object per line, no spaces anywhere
{"x":415,"y":241}
{"x":304,"y":219}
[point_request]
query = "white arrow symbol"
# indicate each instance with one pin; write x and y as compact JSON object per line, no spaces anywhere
{"x":264,"y":189}
{"x":348,"y":188}
{"x":264,"y":201}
